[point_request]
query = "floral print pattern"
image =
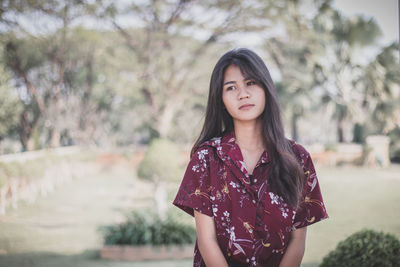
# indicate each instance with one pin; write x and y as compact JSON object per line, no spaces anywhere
{"x":253,"y":224}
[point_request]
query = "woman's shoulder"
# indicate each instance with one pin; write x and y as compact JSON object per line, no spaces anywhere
{"x":204,"y":149}
{"x":207,"y":150}
{"x":209,"y":144}
{"x":298,"y":149}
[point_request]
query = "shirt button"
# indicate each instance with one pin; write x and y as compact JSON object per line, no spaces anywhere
{"x":254,"y":201}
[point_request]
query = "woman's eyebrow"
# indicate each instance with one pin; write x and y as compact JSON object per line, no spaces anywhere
{"x":232,"y":82}
{"x":229,"y":82}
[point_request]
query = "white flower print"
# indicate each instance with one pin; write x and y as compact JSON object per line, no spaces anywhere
{"x":233,"y":184}
{"x":195,"y":168}
{"x":226,"y":214}
{"x":217,"y":141}
{"x":253,"y":261}
{"x":202,"y":154}
{"x":284,"y":211}
{"x":215,"y":209}
{"x":278,"y":200}
{"x":231,"y":231}
{"x":274,"y":198}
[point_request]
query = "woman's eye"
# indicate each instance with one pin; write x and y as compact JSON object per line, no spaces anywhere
{"x":230,"y":88}
{"x":250,"y":83}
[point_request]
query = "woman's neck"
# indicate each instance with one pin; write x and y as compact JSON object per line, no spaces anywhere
{"x":248,"y":136}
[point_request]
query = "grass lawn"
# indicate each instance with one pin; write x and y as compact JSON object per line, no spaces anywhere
{"x":61,"y":229}
{"x":355,"y":198}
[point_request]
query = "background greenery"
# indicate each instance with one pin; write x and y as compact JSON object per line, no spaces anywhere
{"x":120,"y":73}
{"x":133,"y":76}
{"x":365,"y":248}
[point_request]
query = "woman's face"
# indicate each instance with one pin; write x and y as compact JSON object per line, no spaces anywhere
{"x":242,"y":97}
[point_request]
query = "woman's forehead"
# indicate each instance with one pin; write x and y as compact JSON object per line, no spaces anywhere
{"x":235,"y":69}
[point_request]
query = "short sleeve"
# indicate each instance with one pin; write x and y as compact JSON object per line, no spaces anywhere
{"x":194,"y":191}
{"x":312,"y":208}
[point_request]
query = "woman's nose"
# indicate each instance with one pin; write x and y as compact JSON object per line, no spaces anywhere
{"x":243,"y":93}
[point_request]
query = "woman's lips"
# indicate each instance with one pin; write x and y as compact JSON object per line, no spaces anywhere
{"x":246,"y":106}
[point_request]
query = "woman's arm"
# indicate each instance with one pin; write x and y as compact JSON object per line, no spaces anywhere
{"x":207,"y":241}
{"x":295,"y":251}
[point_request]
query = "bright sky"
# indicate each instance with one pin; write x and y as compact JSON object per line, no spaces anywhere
{"x":384,"y":11}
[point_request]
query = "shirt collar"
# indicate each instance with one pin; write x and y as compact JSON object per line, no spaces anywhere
{"x":228,"y":148}
{"x":228,"y":143}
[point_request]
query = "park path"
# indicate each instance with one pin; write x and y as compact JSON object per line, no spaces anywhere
{"x":62,"y":228}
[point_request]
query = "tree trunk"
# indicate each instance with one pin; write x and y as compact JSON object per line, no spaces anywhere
{"x":25,"y":131}
{"x":166,"y":117}
{"x":340,"y":130}
{"x":160,"y":197}
{"x":54,"y":130}
{"x":54,"y":137}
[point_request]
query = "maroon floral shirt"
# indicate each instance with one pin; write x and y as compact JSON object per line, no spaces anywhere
{"x":253,"y":224}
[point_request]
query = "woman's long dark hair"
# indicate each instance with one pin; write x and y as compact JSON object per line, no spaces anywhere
{"x":286,"y":177}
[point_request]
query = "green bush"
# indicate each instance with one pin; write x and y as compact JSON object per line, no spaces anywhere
{"x":148,"y":229}
{"x":366,"y":248}
{"x":161,"y":162}
{"x":331,"y":147}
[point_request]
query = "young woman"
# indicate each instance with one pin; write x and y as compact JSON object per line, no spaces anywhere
{"x":252,"y":191}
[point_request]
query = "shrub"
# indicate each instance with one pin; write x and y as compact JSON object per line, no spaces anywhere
{"x":161,"y":162}
{"x":146,"y":229}
{"x":366,"y":248}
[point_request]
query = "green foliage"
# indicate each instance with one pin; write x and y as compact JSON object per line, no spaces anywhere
{"x":10,"y":107}
{"x":381,"y":80}
{"x":365,"y":248}
{"x":30,"y":169}
{"x":128,"y":84}
{"x":161,"y":161}
{"x":23,"y":54}
{"x":331,"y":147}
{"x":148,"y":229}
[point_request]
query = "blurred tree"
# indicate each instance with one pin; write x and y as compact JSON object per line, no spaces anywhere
{"x":40,"y":54}
{"x":381,"y":83}
{"x":10,"y":107}
{"x":339,"y":72}
{"x":21,"y":57}
{"x":296,"y":53}
{"x":169,"y":39}
{"x":144,"y":71}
